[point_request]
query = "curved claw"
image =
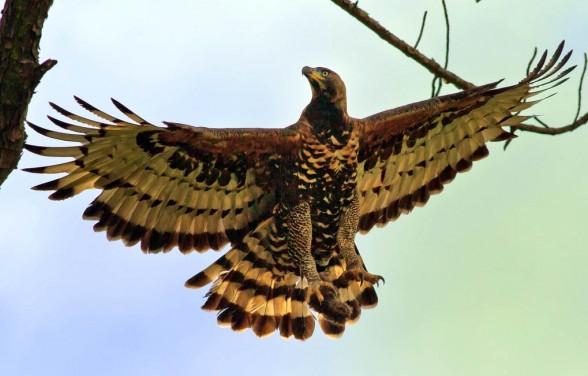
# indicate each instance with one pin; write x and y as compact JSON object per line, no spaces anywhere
{"x":383,"y":281}
{"x":361,"y":276}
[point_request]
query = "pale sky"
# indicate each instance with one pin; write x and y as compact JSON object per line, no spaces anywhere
{"x":489,"y":278}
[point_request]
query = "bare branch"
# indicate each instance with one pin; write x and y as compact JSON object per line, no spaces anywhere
{"x":554,"y":131}
{"x":430,"y":64}
{"x":438,"y":89}
{"x":580,"y":86}
{"x":441,"y":72}
{"x":531,"y":60}
{"x":544,"y":124}
{"x":422,"y":30}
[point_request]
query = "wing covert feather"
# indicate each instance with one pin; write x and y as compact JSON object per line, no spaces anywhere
{"x":194,"y":187}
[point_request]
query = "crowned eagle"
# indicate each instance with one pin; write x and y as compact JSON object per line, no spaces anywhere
{"x":287,"y":201}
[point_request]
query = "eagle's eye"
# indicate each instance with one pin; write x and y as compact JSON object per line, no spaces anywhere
{"x":325,"y":73}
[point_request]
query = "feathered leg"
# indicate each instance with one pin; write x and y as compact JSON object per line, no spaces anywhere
{"x":355,"y":270}
{"x":322,"y":295}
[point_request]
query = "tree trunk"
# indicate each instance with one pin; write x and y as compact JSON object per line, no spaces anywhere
{"x":20,"y":72}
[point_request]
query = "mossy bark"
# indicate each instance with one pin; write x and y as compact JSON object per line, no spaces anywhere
{"x":20,"y":72}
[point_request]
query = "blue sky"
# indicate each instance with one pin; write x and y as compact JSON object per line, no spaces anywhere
{"x":489,"y":278}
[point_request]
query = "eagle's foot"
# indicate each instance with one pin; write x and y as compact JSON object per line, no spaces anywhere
{"x":322,"y":297}
{"x":360,"y":275}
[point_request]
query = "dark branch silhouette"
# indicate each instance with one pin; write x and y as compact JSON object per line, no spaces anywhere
{"x":20,"y":72}
{"x":444,"y":74}
{"x":437,"y":83}
{"x":428,"y":63}
{"x":580,"y":87}
{"x":416,"y":44}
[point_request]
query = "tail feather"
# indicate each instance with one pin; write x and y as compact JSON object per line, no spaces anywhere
{"x":253,"y":288}
{"x":264,"y":320}
{"x":302,"y":320}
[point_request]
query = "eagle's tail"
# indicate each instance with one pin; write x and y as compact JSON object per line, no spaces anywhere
{"x":255,"y":287}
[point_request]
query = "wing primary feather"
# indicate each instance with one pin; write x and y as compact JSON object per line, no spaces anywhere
{"x":78,"y":118}
{"x":75,"y":128}
{"x":125,"y":110}
{"x":62,"y":151}
{"x":467,"y":120}
{"x":58,"y":135}
{"x":87,"y":106}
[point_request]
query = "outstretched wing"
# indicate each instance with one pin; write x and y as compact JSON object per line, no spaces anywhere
{"x":194,"y":187}
{"x":408,"y":153}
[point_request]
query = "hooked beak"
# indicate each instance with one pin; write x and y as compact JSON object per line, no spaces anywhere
{"x":312,"y":75}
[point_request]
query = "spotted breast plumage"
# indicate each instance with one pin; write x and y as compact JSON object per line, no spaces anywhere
{"x":290,"y":201}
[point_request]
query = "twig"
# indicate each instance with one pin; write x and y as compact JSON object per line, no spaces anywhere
{"x":531,"y":60}
{"x":430,"y":64}
{"x":554,"y":131}
{"x":544,"y":124}
{"x":438,"y":90}
{"x":422,"y":29}
{"x":580,"y":87}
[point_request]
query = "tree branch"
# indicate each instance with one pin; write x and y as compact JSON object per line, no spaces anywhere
{"x":554,"y":131}
{"x":20,"y":72}
{"x":432,"y":66}
{"x":428,"y":63}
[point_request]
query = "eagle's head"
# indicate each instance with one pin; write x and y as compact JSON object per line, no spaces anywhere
{"x":326,"y":85}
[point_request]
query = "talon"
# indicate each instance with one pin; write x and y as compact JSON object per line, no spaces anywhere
{"x":314,"y":289}
{"x":361,"y":276}
{"x":382,"y":279}
{"x":318,"y":294}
